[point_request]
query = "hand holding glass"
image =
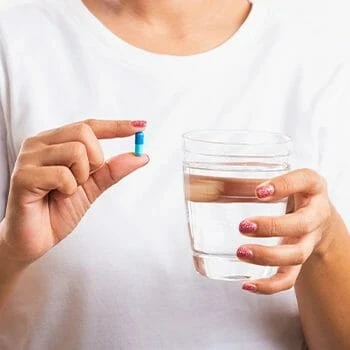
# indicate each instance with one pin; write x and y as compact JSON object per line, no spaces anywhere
{"x":222,"y":169}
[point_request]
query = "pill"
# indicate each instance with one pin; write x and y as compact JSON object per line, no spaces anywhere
{"x":139,"y":141}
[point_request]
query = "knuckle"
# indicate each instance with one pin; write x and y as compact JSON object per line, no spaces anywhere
{"x":20,"y":177}
{"x":319,"y":185}
{"x":77,"y":150}
{"x":17,"y":176}
{"x":63,"y":173}
{"x":89,"y":122}
{"x":22,"y":159}
{"x":83,"y":130}
{"x":290,"y":281}
{"x":98,"y":163}
{"x":272,"y":227}
{"x":47,"y":132}
{"x":80,"y":173}
{"x":98,"y":158}
{"x":119,"y":124}
{"x":284,"y":184}
{"x":288,"y":285}
{"x":310,"y":176}
{"x":307,"y":225}
{"x":83,"y":178}
{"x":328,"y":210}
{"x":270,"y":259}
{"x":309,"y":173}
{"x":300,"y":257}
{"x":29,"y":142}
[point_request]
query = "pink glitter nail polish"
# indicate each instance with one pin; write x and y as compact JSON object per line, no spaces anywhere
{"x":244,"y":253}
{"x":250,"y":287}
{"x":265,"y":191}
{"x":247,"y":226}
{"x":139,"y":123}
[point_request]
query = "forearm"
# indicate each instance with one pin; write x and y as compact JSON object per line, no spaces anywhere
{"x":10,"y":272}
{"x":323,"y":292}
{"x":8,"y":281}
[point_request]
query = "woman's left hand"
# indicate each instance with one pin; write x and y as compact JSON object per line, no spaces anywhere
{"x":302,"y":231}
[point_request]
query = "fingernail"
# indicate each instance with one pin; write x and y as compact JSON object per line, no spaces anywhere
{"x":138,"y":123}
{"x":244,"y":253}
{"x":250,"y":287}
{"x":265,"y":191}
{"x":247,"y":226}
{"x":144,"y":157}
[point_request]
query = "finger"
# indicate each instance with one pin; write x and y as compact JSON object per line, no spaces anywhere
{"x":107,"y":129}
{"x":299,"y":223}
{"x":70,"y":154}
{"x":283,"y":280}
{"x":280,"y":255}
{"x":305,"y":181}
{"x":102,"y":129}
{"x":38,"y":181}
{"x":111,"y":172}
{"x":220,"y":189}
{"x":88,"y":133}
{"x":79,"y":132}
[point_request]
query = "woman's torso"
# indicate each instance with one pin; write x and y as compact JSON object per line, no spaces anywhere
{"x":124,"y":278}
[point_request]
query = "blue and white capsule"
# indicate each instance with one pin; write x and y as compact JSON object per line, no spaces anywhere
{"x":139,"y":142}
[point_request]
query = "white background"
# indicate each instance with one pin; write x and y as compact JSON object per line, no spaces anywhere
{"x":6,"y":3}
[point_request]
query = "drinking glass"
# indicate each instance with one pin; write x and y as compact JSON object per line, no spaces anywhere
{"x":222,"y":169}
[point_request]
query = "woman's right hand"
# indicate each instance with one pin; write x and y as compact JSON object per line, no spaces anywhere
{"x":57,"y":176}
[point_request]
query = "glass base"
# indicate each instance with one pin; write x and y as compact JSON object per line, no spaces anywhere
{"x":229,"y":267}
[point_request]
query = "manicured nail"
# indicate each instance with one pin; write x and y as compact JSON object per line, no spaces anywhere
{"x":247,"y":226}
{"x":139,"y":123}
{"x":250,"y":287}
{"x":265,"y":191}
{"x":244,"y":253}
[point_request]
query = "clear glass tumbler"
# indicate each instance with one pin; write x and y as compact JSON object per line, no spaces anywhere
{"x":222,"y":168}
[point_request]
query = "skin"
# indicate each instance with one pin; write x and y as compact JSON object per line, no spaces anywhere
{"x":58,"y":175}
{"x":313,"y":255}
{"x":175,"y":27}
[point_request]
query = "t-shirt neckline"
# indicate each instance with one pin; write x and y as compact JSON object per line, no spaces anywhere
{"x":242,"y":40}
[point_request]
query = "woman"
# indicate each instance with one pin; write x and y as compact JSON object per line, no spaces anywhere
{"x":122,"y":278}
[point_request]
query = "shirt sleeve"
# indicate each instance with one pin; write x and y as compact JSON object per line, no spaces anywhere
{"x":333,"y":114}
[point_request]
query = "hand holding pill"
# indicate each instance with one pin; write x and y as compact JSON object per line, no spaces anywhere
{"x":58,"y":175}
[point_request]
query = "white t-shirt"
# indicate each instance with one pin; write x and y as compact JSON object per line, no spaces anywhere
{"x":124,"y":278}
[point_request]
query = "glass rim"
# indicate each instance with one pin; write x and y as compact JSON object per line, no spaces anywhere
{"x":284,"y":139}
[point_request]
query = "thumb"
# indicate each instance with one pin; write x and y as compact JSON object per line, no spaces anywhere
{"x":114,"y":170}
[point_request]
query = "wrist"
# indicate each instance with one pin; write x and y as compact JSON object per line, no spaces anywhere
{"x":9,"y":265}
